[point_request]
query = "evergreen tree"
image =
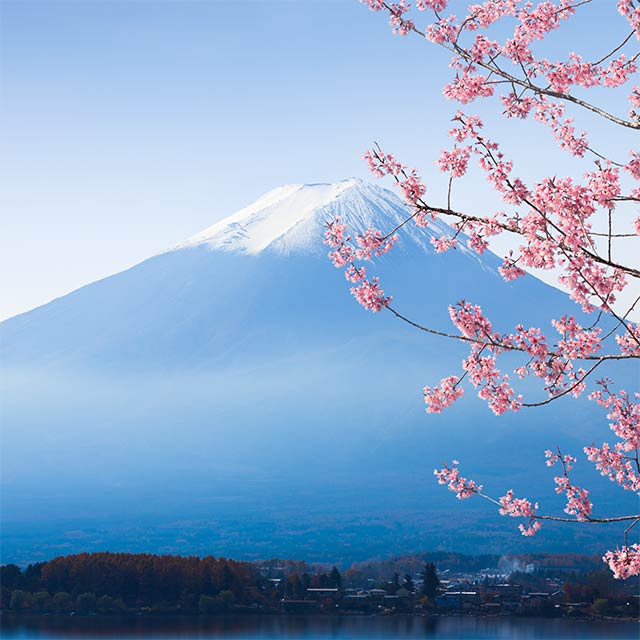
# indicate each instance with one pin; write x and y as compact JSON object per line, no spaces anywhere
{"x":408,"y":583}
{"x":335,"y":578}
{"x":431,"y":582}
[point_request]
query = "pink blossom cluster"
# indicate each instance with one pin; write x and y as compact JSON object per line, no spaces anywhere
{"x":485,"y":14}
{"x":538,"y":20}
{"x":604,"y":185}
{"x":381,"y":164}
{"x":630,"y":342}
{"x":396,"y":10}
{"x":624,"y":562}
{"x":444,"y":395}
{"x":401,"y":26}
{"x":564,"y":133}
{"x":409,"y":182}
{"x":466,"y":127}
{"x":443,"y":243}
{"x":373,"y":243}
{"x":555,"y":367}
{"x":468,"y":86}
{"x":478,"y":59}
{"x":556,"y":228}
{"x":345,"y":253}
{"x":341,"y":256}
{"x":334,"y":235}
{"x":413,"y":188}
{"x":450,"y":476}
{"x":567,"y":204}
{"x":517,"y":106}
{"x":615,"y":465}
{"x":530,"y":530}
{"x":375,"y":5}
{"x":592,"y":285}
{"x":562,"y":76}
{"x":455,"y":161}
{"x":509,"y":269}
{"x":633,"y":166}
{"x":509,"y":504}
{"x":479,"y":230}
{"x":557,"y":224}
{"x":578,"y":502}
{"x":370,"y":295}
{"x":566,"y":460}
{"x":576,"y":341}
{"x":631,"y":10}
{"x":355,"y":274}
{"x":493,"y":387}
{"x":520,"y":508}
{"x":443,"y":31}
{"x":472,"y":323}
{"x":534,"y":343}
{"x":624,"y":413}
{"x":436,"y":5}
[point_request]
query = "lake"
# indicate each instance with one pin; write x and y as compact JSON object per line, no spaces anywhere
{"x":311,"y":627}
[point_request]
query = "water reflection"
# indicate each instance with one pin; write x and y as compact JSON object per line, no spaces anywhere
{"x":292,"y":627}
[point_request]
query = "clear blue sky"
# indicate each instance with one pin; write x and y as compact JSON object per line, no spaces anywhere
{"x":130,"y":125}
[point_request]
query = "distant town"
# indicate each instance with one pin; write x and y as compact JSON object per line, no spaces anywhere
{"x":423,"y":584}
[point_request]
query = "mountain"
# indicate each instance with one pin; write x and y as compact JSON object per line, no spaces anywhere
{"x":228,"y":396}
{"x":222,"y":294}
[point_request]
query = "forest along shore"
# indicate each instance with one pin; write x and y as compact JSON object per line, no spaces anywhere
{"x":545,"y":585}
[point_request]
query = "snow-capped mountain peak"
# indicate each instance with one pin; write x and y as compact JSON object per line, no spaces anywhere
{"x":290,"y":218}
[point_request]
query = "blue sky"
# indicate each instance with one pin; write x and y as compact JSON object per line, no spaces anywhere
{"x":130,"y":125}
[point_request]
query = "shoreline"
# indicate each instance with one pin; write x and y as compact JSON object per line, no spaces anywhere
{"x":194,"y":615}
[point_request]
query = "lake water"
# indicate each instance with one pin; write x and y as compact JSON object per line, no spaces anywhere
{"x":311,"y":628}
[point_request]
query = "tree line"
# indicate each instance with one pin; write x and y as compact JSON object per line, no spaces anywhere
{"x":113,"y":582}
{"x":118,"y":582}
{"x":122,"y":582}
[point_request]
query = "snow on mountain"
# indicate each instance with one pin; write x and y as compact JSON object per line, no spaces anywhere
{"x":291,"y":218}
{"x":255,"y":227}
{"x":221,"y":293}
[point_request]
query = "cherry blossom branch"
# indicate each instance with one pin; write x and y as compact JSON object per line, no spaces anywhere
{"x":509,"y":505}
{"x":421,"y":207}
{"x":507,"y":347}
{"x":569,"y":389}
{"x":567,"y":97}
{"x":404,"y":27}
{"x":589,"y":520}
{"x":343,"y":255}
{"x":413,"y":190}
{"x":554,"y":220}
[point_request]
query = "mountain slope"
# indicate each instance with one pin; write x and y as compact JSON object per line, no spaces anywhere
{"x":211,"y":293}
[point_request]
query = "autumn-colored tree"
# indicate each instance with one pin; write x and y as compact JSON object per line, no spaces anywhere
{"x":571,"y":226}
